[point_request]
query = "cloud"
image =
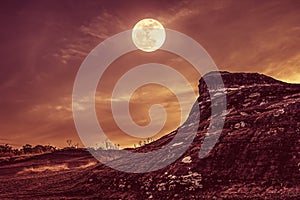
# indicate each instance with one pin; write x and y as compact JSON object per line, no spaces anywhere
{"x":95,"y":31}
{"x":44,"y":44}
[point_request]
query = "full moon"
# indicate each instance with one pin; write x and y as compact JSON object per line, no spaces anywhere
{"x":148,"y":35}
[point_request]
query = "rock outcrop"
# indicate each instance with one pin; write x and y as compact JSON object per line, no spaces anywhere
{"x":256,"y":156}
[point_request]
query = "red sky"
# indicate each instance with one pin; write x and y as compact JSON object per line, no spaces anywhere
{"x":43,"y":44}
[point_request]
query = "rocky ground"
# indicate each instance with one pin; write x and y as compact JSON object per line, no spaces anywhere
{"x":256,"y":156}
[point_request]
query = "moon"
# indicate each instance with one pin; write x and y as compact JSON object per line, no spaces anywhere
{"x":148,"y":35}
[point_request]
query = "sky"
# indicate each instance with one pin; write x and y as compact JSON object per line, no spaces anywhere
{"x":43,"y":44}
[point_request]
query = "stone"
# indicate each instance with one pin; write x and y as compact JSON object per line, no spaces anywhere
{"x":187,"y":159}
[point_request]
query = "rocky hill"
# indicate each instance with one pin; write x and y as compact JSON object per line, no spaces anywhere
{"x":256,"y":156}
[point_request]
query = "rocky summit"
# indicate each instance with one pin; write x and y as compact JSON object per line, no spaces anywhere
{"x":255,"y":157}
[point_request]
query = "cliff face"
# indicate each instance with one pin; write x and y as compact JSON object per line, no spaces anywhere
{"x":260,"y":141}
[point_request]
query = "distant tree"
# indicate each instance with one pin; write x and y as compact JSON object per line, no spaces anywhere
{"x":17,"y":152}
{"x":100,"y":146}
{"x":107,"y":145}
{"x":5,"y":148}
{"x":76,"y":145}
{"x":69,"y":142}
{"x":49,"y":148}
{"x":140,"y":143}
{"x":27,"y":148}
{"x":38,"y":149}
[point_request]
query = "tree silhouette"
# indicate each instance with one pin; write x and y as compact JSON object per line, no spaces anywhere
{"x":27,"y":148}
{"x":69,"y":142}
{"x":5,"y":148}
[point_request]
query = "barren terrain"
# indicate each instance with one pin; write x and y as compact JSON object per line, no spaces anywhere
{"x":256,"y":157}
